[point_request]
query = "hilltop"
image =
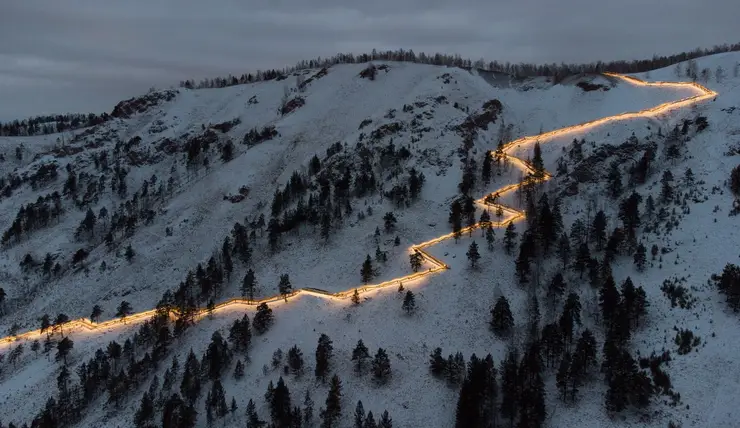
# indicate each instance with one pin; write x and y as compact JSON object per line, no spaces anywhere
{"x":340,"y":147}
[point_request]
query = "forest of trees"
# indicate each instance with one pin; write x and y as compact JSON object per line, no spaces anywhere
{"x":558,"y":71}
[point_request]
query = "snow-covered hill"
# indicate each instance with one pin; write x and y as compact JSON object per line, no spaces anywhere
{"x":418,"y":107}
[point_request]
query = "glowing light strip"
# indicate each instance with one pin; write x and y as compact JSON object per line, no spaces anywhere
{"x":85,"y":324}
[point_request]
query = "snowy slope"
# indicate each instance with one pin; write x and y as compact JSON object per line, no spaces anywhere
{"x":453,"y":306}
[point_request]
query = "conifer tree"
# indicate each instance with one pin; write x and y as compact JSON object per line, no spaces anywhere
{"x":486,"y":169}
{"x":455,"y":218}
{"x":557,"y":286}
{"x":583,"y":257}
{"x":614,"y":180}
{"x":145,"y":414}
{"x":564,"y":251}
{"x":416,"y":260}
{"x":563,"y":376}
{"x":598,"y":230}
{"x":280,"y":406}
{"x":307,"y":410}
{"x":333,"y":406}
{"x":284,"y":286}
{"x":97,"y":311}
{"x":473,"y":254}
{"x":381,"y":367}
{"x":609,"y":299}
{"x":409,"y":302}
{"x":360,"y":355}
{"x":359,"y":417}
{"x":502,"y":321}
{"x":585,"y":352}
{"x":370,"y":421}
{"x":191,"y":379}
{"x":249,"y":284}
{"x":263,"y":318}
{"x":640,"y":257}
{"x":253,"y":419}
{"x":239,"y":370}
{"x":490,"y":237}
{"x":356,"y":298}
{"x":295,"y":360}
{"x":124,"y":309}
{"x":324,"y":352}
{"x":367,"y":270}
{"x":437,"y":363}
{"x":510,"y":387}
{"x":216,"y":401}
{"x":538,"y":165}
{"x":510,"y":237}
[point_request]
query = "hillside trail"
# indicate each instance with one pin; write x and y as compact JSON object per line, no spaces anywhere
{"x":703,"y":94}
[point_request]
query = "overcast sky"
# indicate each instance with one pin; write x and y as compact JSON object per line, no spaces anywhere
{"x":85,"y":55}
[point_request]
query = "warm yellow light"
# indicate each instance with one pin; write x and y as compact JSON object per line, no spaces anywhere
{"x":703,"y":94}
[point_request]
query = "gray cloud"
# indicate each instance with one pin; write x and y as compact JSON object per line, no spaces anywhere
{"x":85,"y":55}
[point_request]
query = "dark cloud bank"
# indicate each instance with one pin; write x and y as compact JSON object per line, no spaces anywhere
{"x":85,"y":55}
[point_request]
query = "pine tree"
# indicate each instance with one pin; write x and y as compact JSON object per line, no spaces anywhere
{"x":370,"y":421}
{"x":609,"y":299}
{"x":585,"y":352}
{"x":473,"y":255}
{"x":614,"y":180}
{"x":129,"y":253}
{"x":285,"y":287}
{"x":249,"y":284}
{"x":97,"y":311}
{"x":355,"y":297}
{"x":598,"y":230}
{"x":280,"y":406}
{"x":63,"y":348}
{"x":486,"y":169}
{"x":216,"y":400}
{"x":324,"y":352}
{"x":381,"y":367}
{"x":502,"y":321}
{"x":455,"y":218}
{"x":333,"y":406}
{"x":295,"y":360}
{"x":490,"y":237}
{"x":191,"y":379}
{"x":557,"y":286}
{"x":124,"y":309}
{"x":359,"y":417}
{"x":239,"y":370}
{"x":253,"y":419}
{"x":510,"y":237}
{"x":240,"y":334}
{"x":307,"y":410}
{"x":409,"y":302}
{"x":553,"y":343}
{"x":510,"y":387}
{"x":389,"y":222}
{"x":145,"y":414}
{"x":263,"y":318}
{"x":437,"y":363}
{"x":385,"y":420}
{"x":640,"y":257}
{"x":666,"y":190}
{"x":416,"y":260}
{"x":360,"y":355}
{"x":583,"y":257}
{"x":526,"y":253}
{"x":367,"y":270}
{"x":563,"y":376}
{"x":538,"y":165}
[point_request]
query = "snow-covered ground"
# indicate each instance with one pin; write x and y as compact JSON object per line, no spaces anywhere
{"x":453,"y":307}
